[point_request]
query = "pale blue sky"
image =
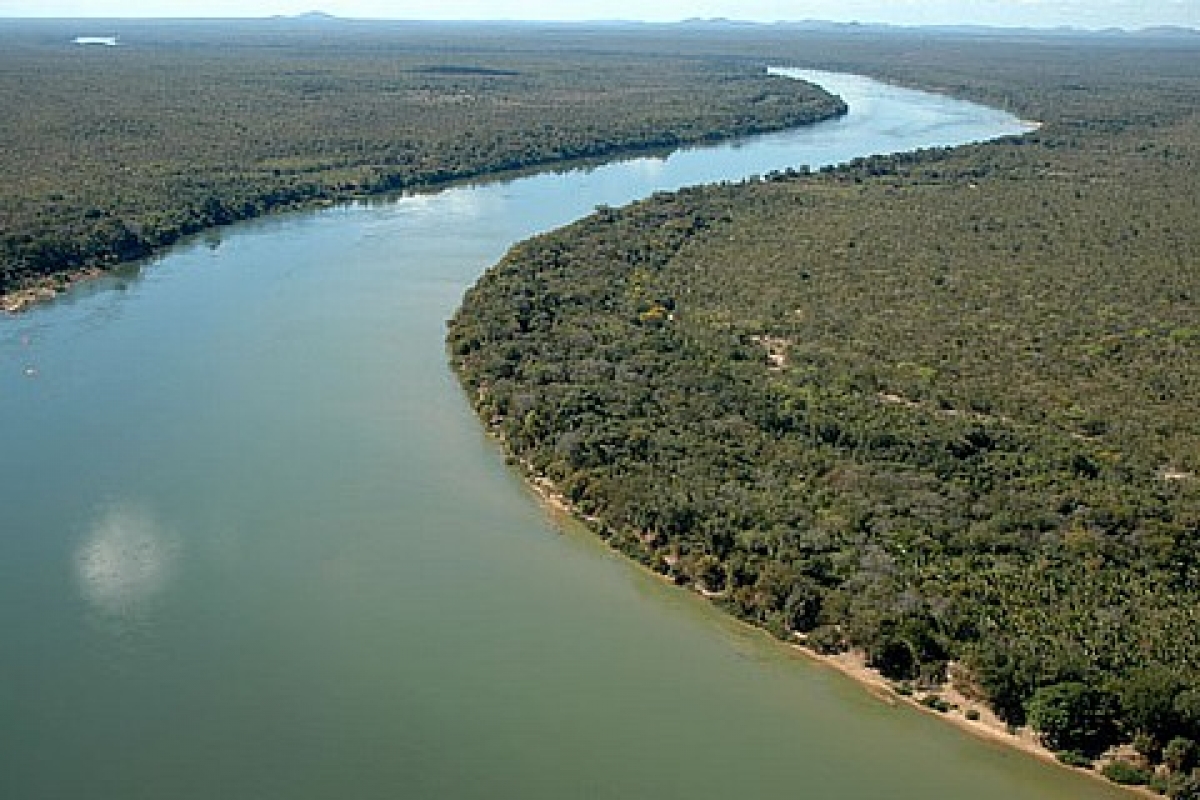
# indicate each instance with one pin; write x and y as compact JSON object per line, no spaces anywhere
{"x":1046,"y":13}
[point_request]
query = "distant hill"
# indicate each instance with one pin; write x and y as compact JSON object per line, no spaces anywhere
{"x":313,"y":17}
{"x":829,"y":26}
{"x":1169,"y":30}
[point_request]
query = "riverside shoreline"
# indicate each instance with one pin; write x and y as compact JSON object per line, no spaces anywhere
{"x":851,"y":664}
{"x":945,"y":700}
{"x":50,"y":285}
{"x":47,"y":289}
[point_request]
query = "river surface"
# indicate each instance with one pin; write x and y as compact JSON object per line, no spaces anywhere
{"x":254,"y":544}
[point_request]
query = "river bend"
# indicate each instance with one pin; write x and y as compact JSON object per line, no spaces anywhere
{"x":254,"y":544}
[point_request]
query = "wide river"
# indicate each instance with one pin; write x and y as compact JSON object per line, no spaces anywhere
{"x":254,"y":544}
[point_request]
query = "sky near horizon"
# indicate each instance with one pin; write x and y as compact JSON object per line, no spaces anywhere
{"x":1037,"y":13}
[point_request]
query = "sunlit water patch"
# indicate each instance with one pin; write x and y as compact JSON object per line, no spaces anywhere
{"x":125,"y":559}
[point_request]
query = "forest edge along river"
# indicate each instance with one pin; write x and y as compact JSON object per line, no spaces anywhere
{"x":256,"y":544}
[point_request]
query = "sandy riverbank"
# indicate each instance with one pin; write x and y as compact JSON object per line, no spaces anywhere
{"x":46,"y":289}
{"x":853,"y":665}
{"x":988,"y":726}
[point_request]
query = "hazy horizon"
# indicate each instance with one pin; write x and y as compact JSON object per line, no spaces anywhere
{"x":1097,"y":14}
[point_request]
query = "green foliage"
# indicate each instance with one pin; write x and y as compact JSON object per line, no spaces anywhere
{"x":826,"y":640}
{"x":1125,"y":773}
{"x":709,"y":573}
{"x":1073,"y":758}
{"x":941,"y":394}
{"x":1186,"y":707}
{"x":1184,"y":787}
{"x":802,"y":609}
{"x":931,"y":405}
{"x":111,"y":153}
{"x":1148,"y":702}
{"x":1180,"y":755}
{"x":935,"y":702}
{"x":1072,"y":716}
{"x":1147,"y":746}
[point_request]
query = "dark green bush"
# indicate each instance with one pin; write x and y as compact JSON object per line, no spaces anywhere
{"x":1125,"y":773}
{"x":826,"y":640}
{"x":1074,"y":758}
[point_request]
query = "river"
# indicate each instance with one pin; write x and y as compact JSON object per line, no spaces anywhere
{"x":254,"y":544}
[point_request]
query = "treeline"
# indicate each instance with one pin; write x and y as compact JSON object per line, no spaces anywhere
{"x":111,"y":153}
{"x":939,"y":407}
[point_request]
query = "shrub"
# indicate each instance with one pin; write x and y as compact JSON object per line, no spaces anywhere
{"x":1125,"y":773}
{"x":1074,"y":758}
{"x":935,"y":702}
{"x":1072,"y":716}
{"x":826,"y":640}
{"x":1184,"y":787}
{"x":1180,"y":754}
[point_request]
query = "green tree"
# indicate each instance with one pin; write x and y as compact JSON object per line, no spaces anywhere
{"x":1147,"y":700}
{"x":1185,"y":787}
{"x":1072,"y":716}
{"x":1180,"y":754}
{"x":1186,"y":706}
{"x":802,"y":609}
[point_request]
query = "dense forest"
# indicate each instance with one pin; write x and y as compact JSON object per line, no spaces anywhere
{"x":939,"y":407}
{"x":112,"y":152}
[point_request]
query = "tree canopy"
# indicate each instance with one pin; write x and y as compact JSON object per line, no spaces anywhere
{"x":937,"y":406}
{"x":110,"y":153}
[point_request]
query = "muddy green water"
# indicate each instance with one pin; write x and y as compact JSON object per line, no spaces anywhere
{"x":253,"y":543}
